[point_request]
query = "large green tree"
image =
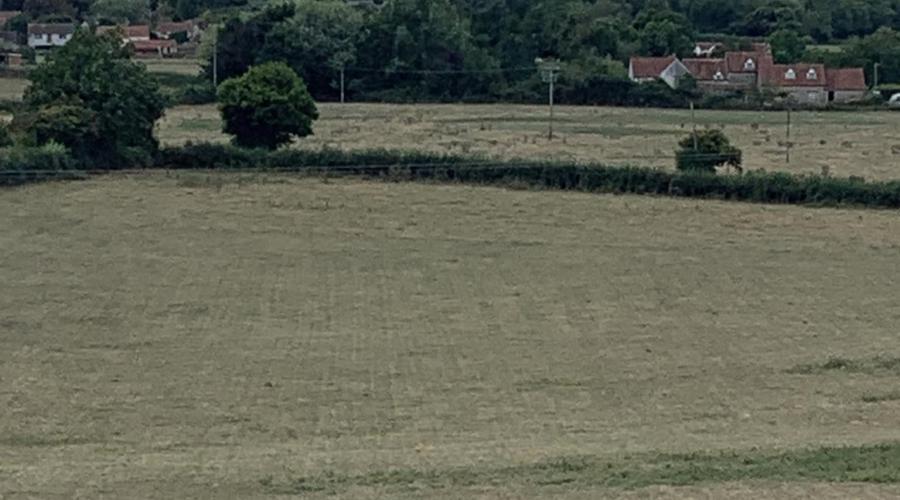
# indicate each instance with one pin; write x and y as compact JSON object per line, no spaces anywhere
{"x":91,"y":97}
{"x":267,"y":106}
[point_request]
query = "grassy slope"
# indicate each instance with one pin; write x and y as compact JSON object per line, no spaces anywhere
{"x":204,"y":335}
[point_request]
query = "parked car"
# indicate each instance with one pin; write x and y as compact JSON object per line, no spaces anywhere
{"x":894,"y":101}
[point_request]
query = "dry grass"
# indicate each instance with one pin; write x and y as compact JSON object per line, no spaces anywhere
{"x":862,"y":143}
{"x":177,"y":66}
{"x":175,"y":337}
{"x":12,"y":89}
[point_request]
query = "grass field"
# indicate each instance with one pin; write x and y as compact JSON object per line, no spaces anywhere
{"x":11,"y":89}
{"x":864,"y":144}
{"x":198,"y":336}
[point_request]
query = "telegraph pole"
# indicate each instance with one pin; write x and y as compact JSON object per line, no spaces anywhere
{"x":342,"y":85}
{"x":694,"y":126}
{"x":216,"y":59}
{"x":788,"y":135}
{"x":549,"y":74}
{"x":875,"y":83}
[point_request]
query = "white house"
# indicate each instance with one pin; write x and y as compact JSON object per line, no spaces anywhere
{"x":45,"y":36}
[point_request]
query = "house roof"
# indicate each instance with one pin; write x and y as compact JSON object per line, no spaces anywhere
{"x":6,"y":15}
{"x":136,"y":31}
{"x":846,"y":79}
{"x":776,"y":75}
{"x":175,"y":27}
{"x":650,"y":67}
{"x":51,"y":29}
{"x":735,"y":61}
{"x":152,"y":45}
{"x":705,"y":68}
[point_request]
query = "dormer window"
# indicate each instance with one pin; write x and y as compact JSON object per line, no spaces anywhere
{"x":811,"y":74}
{"x":790,"y":75}
{"x":749,"y":65}
{"x":718,"y":76}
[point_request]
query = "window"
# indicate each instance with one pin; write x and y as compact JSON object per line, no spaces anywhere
{"x":718,"y":76}
{"x":811,"y":74}
{"x":790,"y":75}
{"x":749,"y":65}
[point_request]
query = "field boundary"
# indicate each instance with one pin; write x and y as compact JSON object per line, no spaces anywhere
{"x":754,"y":186}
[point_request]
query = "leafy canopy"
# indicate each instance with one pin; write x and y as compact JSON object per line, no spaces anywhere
{"x":267,"y":106}
{"x":712,"y":149}
{"x":90,"y":97}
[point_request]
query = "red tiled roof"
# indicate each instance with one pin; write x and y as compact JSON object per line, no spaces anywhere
{"x":846,"y":79}
{"x":705,"y":69}
{"x":776,"y":75}
{"x":735,"y":61}
{"x":650,"y":67}
{"x":138,"y":31}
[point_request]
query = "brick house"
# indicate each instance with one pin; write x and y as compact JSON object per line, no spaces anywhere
{"x":802,"y":83}
{"x":647,"y":69}
{"x":707,"y":49}
{"x":846,"y":84}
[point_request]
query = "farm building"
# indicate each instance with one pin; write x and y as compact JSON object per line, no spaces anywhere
{"x":647,"y":69}
{"x":803,"y":83}
{"x":48,"y":35}
{"x":171,"y":30}
{"x":130,"y":33}
{"x":155,"y":48}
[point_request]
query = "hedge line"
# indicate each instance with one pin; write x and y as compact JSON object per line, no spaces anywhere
{"x":756,"y":186}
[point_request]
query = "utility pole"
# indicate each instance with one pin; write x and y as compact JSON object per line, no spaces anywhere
{"x":694,"y":126}
{"x":215,"y":57}
{"x":875,"y":82}
{"x":788,"y":135}
{"x":342,"y":85}
{"x":549,"y":74}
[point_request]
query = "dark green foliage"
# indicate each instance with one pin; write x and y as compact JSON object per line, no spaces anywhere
{"x":22,"y":165}
{"x":107,"y":105}
{"x":758,"y":187}
{"x":705,"y":150}
{"x":5,"y":137}
{"x":266,"y":107}
{"x":787,"y":46}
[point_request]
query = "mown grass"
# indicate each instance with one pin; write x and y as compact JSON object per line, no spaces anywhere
{"x":870,"y":366}
{"x":875,"y":464}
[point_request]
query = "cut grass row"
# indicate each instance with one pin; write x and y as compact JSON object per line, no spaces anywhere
{"x":874,"y":464}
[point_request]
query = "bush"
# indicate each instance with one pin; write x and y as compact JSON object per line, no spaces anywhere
{"x":5,"y":137}
{"x":705,"y":150}
{"x":20,"y":165}
{"x":762,"y":187}
{"x":266,"y":107}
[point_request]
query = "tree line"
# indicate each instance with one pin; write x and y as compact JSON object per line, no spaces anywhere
{"x":398,"y":50}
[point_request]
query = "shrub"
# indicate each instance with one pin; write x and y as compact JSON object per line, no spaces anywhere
{"x":5,"y":137}
{"x":110,"y":103}
{"x":19,"y":165}
{"x":266,"y":107}
{"x":705,"y":150}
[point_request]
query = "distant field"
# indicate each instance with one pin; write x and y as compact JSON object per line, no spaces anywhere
{"x":177,"y":66}
{"x":12,"y":89}
{"x":214,"y":336}
{"x":862,"y":143}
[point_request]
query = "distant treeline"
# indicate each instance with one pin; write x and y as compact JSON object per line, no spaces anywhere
{"x":485,"y":50}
